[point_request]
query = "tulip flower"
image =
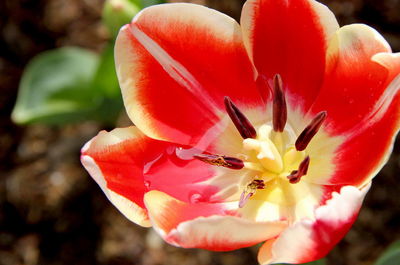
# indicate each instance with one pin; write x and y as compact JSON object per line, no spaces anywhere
{"x":265,"y":132}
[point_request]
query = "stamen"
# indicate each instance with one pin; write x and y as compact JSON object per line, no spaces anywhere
{"x":296,"y":175}
{"x":219,"y":160}
{"x":242,"y":124}
{"x":308,"y":133}
{"x":279,"y":110}
{"x":250,"y":190}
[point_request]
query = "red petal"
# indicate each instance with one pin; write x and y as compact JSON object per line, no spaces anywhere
{"x":289,"y":38}
{"x":209,"y":226}
{"x":131,"y":164}
{"x":365,"y":152}
{"x":361,"y":96}
{"x":308,"y":240}
{"x":354,"y":82}
{"x":175,"y":64}
{"x":127,"y":206}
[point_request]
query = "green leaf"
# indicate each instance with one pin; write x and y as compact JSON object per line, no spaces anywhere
{"x":146,"y":3}
{"x":391,"y":256}
{"x":117,"y":13}
{"x":105,"y":81}
{"x":317,"y":262}
{"x":56,"y":87}
{"x":137,"y":3}
{"x":105,"y":78}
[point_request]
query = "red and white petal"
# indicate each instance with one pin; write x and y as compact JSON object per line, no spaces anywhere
{"x":130,"y":209}
{"x":175,"y":64}
{"x":367,"y":146}
{"x":353,"y":82}
{"x":209,"y":226}
{"x":308,"y":240}
{"x":289,"y":38}
{"x":127,"y":163}
{"x":124,"y":191}
{"x":366,"y":151}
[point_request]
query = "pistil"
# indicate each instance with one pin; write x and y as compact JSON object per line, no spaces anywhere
{"x":309,"y":132}
{"x":250,"y":190}
{"x":279,"y":109}
{"x":242,"y":124}
{"x":266,"y":153}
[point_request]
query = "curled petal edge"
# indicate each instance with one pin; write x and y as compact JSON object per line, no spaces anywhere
{"x":308,"y":240}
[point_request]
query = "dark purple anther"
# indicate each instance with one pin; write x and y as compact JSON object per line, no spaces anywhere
{"x":279,"y":110}
{"x":242,"y":124}
{"x":308,"y":133}
{"x":223,"y":161}
{"x":296,"y":175}
{"x":258,"y":184}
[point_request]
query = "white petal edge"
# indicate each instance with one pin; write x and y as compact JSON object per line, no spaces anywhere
{"x":346,"y":36}
{"x":382,"y":105}
{"x":212,"y":226}
{"x":224,"y":229}
{"x":115,"y":136}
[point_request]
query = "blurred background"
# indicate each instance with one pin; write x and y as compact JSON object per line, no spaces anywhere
{"x":51,"y":211}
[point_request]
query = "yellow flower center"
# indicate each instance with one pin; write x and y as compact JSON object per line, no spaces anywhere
{"x":273,"y":158}
{"x":272,"y":154}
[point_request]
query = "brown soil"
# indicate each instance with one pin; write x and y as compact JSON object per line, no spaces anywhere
{"x":52,"y":212}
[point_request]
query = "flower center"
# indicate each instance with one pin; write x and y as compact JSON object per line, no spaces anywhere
{"x":270,"y":154}
{"x":273,"y":152}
